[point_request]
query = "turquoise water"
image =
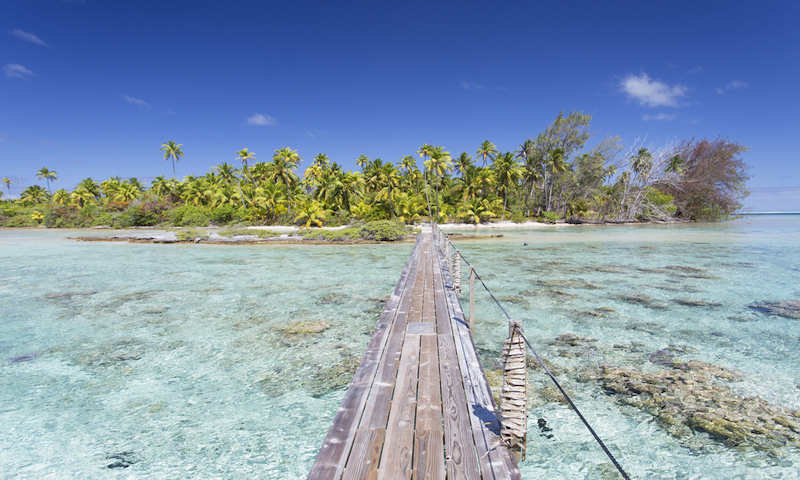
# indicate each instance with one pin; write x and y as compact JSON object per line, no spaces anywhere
{"x":174,"y":361}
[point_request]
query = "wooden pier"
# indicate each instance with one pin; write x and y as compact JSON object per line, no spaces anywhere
{"x":419,"y":405}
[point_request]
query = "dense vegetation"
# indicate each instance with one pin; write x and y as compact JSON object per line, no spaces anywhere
{"x":548,"y":178}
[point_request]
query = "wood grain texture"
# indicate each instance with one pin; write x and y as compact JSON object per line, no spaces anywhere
{"x":399,"y":446}
{"x":366,"y":454}
{"x":429,"y":455}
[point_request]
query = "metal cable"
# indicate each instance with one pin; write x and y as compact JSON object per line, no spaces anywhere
{"x":552,"y":377}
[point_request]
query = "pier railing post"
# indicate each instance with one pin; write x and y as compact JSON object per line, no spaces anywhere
{"x":514,"y":396}
{"x":457,"y":271}
{"x":447,"y":253}
{"x":472,"y":301}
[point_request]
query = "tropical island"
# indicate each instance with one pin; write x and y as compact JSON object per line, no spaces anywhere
{"x":551,"y":178}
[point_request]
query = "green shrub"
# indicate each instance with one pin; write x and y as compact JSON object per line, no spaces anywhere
{"x":550,"y":217}
{"x":232,"y":232}
{"x":137,"y":216}
{"x":189,"y":216}
{"x":384,"y":230}
{"x":224,"y":215}
{"x":331,"y":235}
{"x":190,"y":234}
{"x":103,"y":219}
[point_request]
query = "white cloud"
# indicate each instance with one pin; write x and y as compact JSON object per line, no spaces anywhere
{"x":734,"y":85}
{"x":660,"y":116}
{"x":471,"y":86}
{"x":697,"y":69}
{"x":136,"y":101}
{"x":28,"y":37}
{"x":13,"y":70}
{"x":652,"y":93}
{"x":259,"y":119}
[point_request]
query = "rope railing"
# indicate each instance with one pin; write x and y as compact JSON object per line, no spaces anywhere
{"x":514,"y":324}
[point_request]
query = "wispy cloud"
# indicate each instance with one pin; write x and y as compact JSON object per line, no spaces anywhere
{"x":734,"y":85}
{"x":697,"y":69}
{"x":313,"y":133}
{"x":3,"y":136}
{"x":471,"y":86}
{"x":28,"y":37}
{"x":53,"y":144}
{"x":652,"y":93}
{"x":136,"y":101}
{"x":259,"y":119}
{"x":660,"y":116}
{"x":13,"y":70}
{"x":170,"y":112}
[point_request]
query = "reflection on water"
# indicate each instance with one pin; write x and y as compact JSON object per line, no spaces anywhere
{"x":212,"y":361}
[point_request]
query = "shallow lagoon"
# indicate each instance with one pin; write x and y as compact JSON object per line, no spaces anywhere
{"x":175,"y":360}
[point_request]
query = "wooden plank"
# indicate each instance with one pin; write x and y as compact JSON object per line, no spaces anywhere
{"x":332,"y":456}
{"x":495,"y":458}
{"x":461,"y":459}
{"x":429,"y":404}
{"x":399,"y":445}
{"x":366,"y":454}
{"x":428,"y":305}
{"x":415,"y":309}
{"x":429,"y":455}
{"x":440,"y":304}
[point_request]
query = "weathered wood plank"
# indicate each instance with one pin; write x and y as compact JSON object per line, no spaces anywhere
{"x":399,"y":445}
{"x":429,"y":399}
{"x":461,"y":459}
{"x":366,"y":454}
{"x":429,"y":455}
{"x":332,"y":456}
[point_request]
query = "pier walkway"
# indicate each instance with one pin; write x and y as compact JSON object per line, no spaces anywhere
{"x":419,"y":405}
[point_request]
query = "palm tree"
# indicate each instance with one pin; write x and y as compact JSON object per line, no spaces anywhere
{"x":48,"y":175}
{"x":136,"y":184}
{"x":676,"y":165}
{"x":462,"y":163}
{"x":34,"y":194}
{"x":310,"y":211}
{"x":173,"y":151}
{"x":438,"y":165}
{"x":91,"y":186}
{"x":159,"y":185}
{"x":61,"y":197}
{"x":361,"y":161}
{"x":556,"y":161}
{"x":246,"y":156}
{"x":284,"y":162}
{"x":424,"y":151}
{"x":385,"y":178}
{"x":8,"y":184}
{"x":488,"y":150}
{"x":82,"y":195}
{"x":507,"y":171}
{"x":642,"y":162}
{"x":226,"y":171}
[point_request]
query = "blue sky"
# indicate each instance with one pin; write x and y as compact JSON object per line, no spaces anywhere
{"x":93,"y":88}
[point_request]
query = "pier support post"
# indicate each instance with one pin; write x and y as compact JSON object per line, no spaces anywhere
{"x":472,"y":301}
{"x":514,"y":396}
